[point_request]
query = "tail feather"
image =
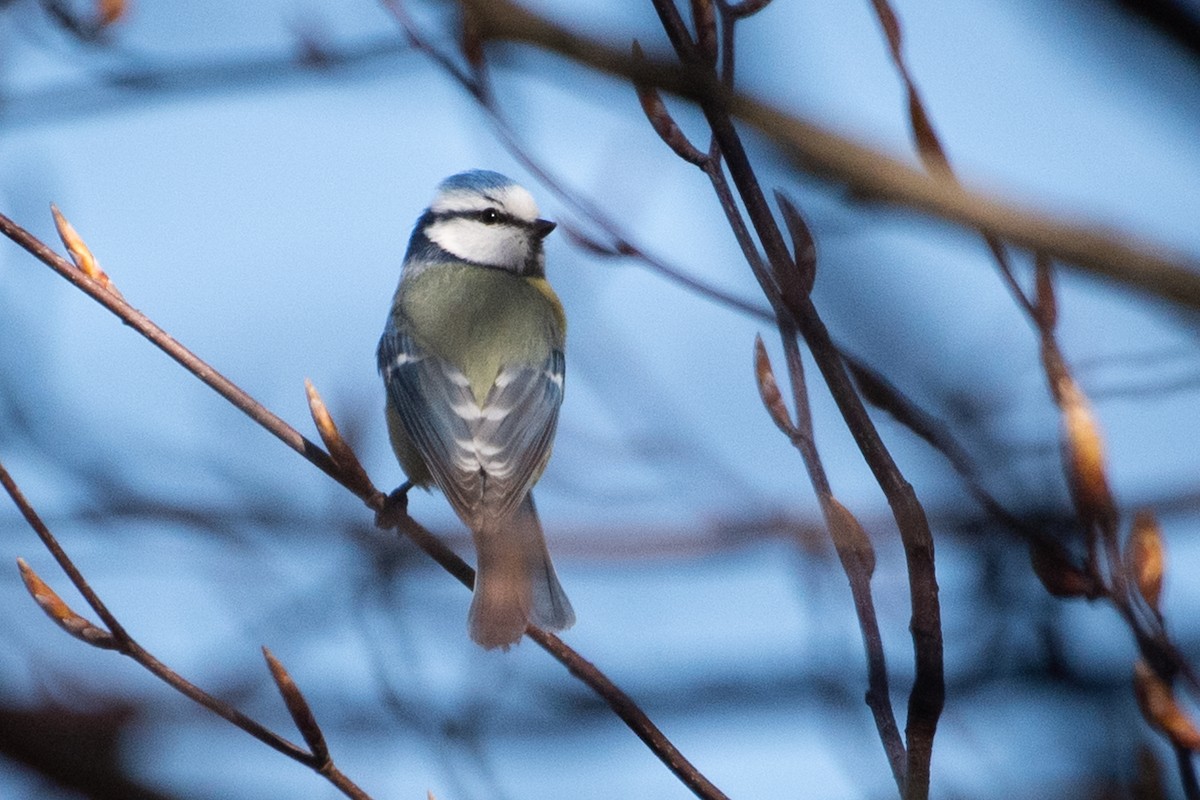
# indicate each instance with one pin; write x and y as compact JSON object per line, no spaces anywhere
{"x":515,"y":582}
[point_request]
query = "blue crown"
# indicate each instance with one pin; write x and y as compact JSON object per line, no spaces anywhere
{"x":476,"y":180}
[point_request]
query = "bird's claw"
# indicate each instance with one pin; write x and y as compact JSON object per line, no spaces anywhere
{"x":394,"y":507}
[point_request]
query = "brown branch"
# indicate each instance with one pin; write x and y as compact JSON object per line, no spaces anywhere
{"x":388,"y":515}
{"x":1112,"y":254}
{"x":928,"y":691}
{"x":854,"y":551}
{"x":1083,"y":452}
{"x":878,"y":697}
{"x":125,"y":644}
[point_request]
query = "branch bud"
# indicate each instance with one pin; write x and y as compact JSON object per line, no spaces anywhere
{"x":61,"y":613}
{"x":81,"y":254}
{"x":804,"y":250}
{"x":298,"y":707}
{"x":768,"y":389}
{"x":849,"y":536}
{"x":661,"y":120}
{"x":1161,"y":710}
{"x":352,"y":469}
{"x":1058,"y":575}
{"x":1145,"y":559}
{"x":1083,"y":457}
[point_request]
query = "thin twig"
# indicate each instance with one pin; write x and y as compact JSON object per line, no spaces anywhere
{"x":127,"y":645}
{"x":878,"y":696}
{"x":1112,"y":254}
{"x":787,"y":290}
{"x":1095,"y":508}
{"x":858,"y":573}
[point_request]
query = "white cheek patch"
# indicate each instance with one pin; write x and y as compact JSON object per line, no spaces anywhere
{"x":471,"y":240}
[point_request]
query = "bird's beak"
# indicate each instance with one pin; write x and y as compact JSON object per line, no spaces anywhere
{"x":542,"y":227}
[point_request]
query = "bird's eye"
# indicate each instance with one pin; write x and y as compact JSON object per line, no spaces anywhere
{"x":490,"y":216}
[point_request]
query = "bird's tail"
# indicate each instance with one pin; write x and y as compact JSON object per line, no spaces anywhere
{"x":515,"y":584}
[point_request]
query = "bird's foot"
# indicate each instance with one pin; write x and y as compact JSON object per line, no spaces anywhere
{"x":394,"y":508}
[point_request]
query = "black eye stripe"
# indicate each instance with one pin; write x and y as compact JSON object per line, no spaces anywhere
{"x":485,"y":215}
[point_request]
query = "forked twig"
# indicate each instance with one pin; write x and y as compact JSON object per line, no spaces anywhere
{"x":1130,"y":582}
{"x":118,"y":638}
{"x":853,"y":547}
{"x":785,"y":282}
{"x":1114,"y":255}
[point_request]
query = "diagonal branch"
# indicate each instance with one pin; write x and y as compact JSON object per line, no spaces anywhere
{"x":125,"y":644}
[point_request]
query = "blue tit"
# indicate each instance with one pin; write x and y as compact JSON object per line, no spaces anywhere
{"x":472,"y":359}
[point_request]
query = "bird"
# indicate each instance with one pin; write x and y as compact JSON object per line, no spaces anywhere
{"x":472,"y":358}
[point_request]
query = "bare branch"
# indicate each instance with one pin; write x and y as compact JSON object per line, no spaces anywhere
{"x":1115,"y":255}
{"x":122,"y":642}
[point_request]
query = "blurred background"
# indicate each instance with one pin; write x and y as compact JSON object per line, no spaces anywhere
{"x":249,"y":173}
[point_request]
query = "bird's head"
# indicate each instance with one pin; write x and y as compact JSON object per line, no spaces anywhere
{"x":484,"y":218}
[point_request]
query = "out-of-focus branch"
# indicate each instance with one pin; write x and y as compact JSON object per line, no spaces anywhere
{"x":1112,"y":254}
{"x":144,"y":79}
{"x":350,"y":475}
{"x":1105,"y":573}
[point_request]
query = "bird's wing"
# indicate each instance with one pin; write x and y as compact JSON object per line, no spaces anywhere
{"x":516,"y":430}
{"x":483,"y":458}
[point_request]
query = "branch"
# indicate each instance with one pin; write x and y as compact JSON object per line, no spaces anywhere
{"x":117,"y":638}
{"x":1112,"y":254}
{"x":786,"y":285}
{"x":1105,"y":573}
{"x":113,"y":88}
